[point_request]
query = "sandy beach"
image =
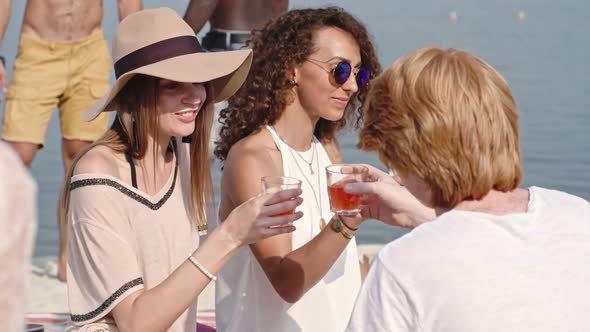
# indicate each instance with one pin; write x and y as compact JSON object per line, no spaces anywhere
{"x":46,"y":294}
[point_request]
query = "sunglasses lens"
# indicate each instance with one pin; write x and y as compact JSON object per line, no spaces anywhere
{"x":362,"y":78}
{"x":342,"y":72}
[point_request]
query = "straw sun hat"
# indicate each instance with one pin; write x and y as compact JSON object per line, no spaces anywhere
{"x":157,"y":42}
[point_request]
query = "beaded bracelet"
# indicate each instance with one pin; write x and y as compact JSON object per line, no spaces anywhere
{"x":201,"y":268}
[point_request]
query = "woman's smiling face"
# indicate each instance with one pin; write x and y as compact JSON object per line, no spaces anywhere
{"x":178,"y":106}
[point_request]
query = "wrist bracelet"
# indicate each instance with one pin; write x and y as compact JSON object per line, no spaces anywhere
{"x":346,"y":225}
{"x":338,"y":227}
{"x":201,"y":268}
{"x":346,"y":233}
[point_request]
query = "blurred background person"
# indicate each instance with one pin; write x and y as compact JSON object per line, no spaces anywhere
{"x":18,"y":220}
{"x":231,"y":21}
{"x":497,"y":257}
{"x":63,"y":61}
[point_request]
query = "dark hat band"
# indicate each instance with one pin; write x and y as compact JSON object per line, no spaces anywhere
{"x":162,"y":50}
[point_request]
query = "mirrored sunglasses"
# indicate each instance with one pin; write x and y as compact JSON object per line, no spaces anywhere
{"x":342,"y":71}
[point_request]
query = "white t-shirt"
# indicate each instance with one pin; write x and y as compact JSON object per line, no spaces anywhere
{"x":18,"y":223}
{"x":470,"y":271}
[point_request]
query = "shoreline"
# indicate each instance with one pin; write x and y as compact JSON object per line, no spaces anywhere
{"x":47,"y":295}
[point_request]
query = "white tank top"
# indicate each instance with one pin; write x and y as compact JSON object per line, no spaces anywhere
{"x":245,"y":299}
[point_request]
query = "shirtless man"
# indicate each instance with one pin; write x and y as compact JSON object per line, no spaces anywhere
{"x":63,"y":60}
{"x":231,"y":20}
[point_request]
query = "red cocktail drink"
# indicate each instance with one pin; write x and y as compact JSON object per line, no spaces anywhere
{"x":271,"y":184}
{"x":337,"y":176}
{"x":284,"y":213}
{"x":340,"y":200}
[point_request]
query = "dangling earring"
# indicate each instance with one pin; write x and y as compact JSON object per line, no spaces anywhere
{"x":187,"y":139}
{"x":293,"y":83}
{"x":135,"y":135}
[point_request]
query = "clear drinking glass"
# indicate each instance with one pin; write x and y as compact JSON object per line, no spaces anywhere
{"x":272,"y":184}
{"x":338,"y":175}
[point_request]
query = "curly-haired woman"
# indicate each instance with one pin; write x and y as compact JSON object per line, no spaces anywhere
{"x":306,"y":82}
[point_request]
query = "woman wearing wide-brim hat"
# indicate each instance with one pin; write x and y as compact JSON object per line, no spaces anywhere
{"x":135,"y":202}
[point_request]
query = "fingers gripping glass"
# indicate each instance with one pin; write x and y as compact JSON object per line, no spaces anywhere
{"x":342,"y":71}
{"x":272,"y":184}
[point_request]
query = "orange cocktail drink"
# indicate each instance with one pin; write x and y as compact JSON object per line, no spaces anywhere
{"x":271,"y":184}
{"x":340,"y":200}
{"x":338,"y":176}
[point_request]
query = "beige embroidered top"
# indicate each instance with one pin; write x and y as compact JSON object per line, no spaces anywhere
{"x":122,"y":239}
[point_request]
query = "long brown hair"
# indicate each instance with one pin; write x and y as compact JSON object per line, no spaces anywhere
{"x":283,"y":43}
{"x":137,"y":101}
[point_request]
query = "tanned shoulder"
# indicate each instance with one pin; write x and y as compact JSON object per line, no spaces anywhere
{"x":98,"y":160}
{"x":247,"y":162}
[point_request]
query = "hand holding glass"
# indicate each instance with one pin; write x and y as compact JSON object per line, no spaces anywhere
{"x":272,"y":184}
{"x":339,"y":175}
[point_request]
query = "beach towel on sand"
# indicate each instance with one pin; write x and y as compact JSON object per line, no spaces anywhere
{"x":53,"y":322}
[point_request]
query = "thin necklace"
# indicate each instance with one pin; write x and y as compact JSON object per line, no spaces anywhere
{"x":318,"y":203}
{"x":313,"y":153}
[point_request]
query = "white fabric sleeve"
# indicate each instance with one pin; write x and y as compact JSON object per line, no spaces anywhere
{"x":18,"y":221}
{"x":382,"y":304}
{"x":102,"y":261}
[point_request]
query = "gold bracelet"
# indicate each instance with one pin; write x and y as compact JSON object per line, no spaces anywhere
{"x":201,"y":268}
{"x":346,"y":233}
{"x":346,"y":225}
{"x":338,"y":227}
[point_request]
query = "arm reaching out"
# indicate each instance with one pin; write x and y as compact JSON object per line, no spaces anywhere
{"x":199,"y":12}
{"x":389,"y":201}
{"x":127,"y":7}
{"x":279,"y":7}
{"x":4,"y":18}
{"x":250,"y":222}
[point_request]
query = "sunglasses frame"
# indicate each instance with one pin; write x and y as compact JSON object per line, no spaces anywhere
{"x":333,"y":71}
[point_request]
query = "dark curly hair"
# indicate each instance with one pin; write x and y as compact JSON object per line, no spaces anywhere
{"x":283,"y":43}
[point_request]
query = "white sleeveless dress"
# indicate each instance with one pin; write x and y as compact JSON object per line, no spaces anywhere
{"x":245,"y":299}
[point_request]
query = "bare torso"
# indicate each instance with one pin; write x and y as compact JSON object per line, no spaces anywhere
{"x":62,"y":19}
{"x":241,"y":14}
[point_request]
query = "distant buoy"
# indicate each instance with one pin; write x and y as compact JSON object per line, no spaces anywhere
{"x":454,"y":16}
{"x":520,"y":15}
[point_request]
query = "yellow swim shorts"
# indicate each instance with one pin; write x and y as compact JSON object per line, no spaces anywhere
{"x":71,"y":75}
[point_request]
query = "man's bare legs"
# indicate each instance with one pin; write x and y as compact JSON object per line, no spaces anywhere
{"x":69,"y":151}
{"x":25,"y":151}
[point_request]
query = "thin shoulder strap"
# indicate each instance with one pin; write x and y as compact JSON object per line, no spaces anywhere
{"x":275,"y":136}
{"x":132,"y":166}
